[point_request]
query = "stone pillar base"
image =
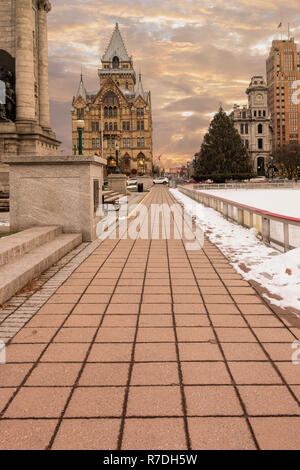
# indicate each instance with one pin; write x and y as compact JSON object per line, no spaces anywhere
{"x":56,"y":190}
{"x":117,"y":183}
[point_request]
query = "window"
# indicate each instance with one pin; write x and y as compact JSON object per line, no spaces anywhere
{"x":110,"y":126}
{"x":93,"y":143}
{"x":141,"y":142}
{"x":126,"y":125}
{"x":115,"y":126}
{"x":80,"y":113}
{"x":255,"y":113}
{"x":242,"y":128}
{"x":246,"y":129}
{"x":115,"y":113}
{"x":140,"y":111}
{"x":259,"y":113}
{"x":260,"y":143}
{"x":110,"y":99}
{"x":260,"y":129}
{"x":126,"y":85}
{"x":95,"y":126}
{"x":106,"y":111}
{"x":247,"y":143}
{"x":116,"y":62}
{"x":140,"y":125}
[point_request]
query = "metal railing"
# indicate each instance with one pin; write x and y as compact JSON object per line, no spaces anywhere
{"x":263,"y":185}
{"x":278,"y":231}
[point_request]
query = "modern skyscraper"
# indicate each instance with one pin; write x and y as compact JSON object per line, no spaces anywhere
{"x":283,"y":69}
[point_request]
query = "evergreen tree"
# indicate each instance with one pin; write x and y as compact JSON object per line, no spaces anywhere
{"x":223,"y":155}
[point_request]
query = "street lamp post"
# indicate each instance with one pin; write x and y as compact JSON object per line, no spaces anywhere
{"x":117,"y":172}
{"x":80,"y":127}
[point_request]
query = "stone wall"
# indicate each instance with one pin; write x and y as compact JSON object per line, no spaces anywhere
{"x":7,"y":22}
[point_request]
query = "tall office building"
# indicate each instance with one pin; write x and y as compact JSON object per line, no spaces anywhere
{"x":283,"y":69}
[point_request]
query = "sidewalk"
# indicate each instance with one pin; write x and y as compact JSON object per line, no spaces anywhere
{"x":149,"y":346}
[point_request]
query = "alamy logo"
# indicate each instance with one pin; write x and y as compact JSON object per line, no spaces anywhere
{"x":295,"y":95}
{"x":296,"y":354}
{"x":2,"y":353}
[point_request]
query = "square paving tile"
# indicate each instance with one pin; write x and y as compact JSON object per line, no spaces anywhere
{"x":55,"y":309}
{"x":156,"y":373}
{"x":36,"y":402}
{"x":195,"y":334}
{"x":276,"y":335}
{"x":34,"y":335}
{"x":47,"y":375}
{"x":75,"y":335}
{"x":113,"y":352}
{"x":46,"y":321}
{"x":65,"y":352}
{"x":212,"y":401}
{"x":148,"y":352}
{"x":23,"y":352}
{"x":83,"y":320}
{"x":12,"y":375}
{"x":270,"y":400}
{"x":290,"y":372}
{"x":199,"y":352}
{"x":232,"y":335}
{"x":192,"y":320}
{"x":254,"y":373}
{"x":154,"y":401}
{"x":243,"y":352}
{"x":165,"y":320}
{"x":26,"y":434}
{"x":205,"y":373}
{"x":158,"y":433}
{"x":220,"y":434}
{"x":115,"y":335}
{"x":94,"y":402}
{"x":161,"y":334}
{"x":5,"y":395}
{"x":129,"y":309}
{"x":89,"y":309}
{"x":156,"y":308}
{"x":87,"y":434}
{"x":189,"y":309}
{"x":279,"y":351}
{"x":104,"y":374}
{"x":276,"y":433}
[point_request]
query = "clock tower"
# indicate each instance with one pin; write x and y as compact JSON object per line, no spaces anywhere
{"x":253,"y":124}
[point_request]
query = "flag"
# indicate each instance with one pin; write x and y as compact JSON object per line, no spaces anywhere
{"x":280,"y":25}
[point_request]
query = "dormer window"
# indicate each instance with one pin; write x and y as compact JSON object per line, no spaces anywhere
{"x":116,"y":62}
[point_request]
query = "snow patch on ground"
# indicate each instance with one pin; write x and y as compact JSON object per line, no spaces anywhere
{"x":276,"y":272}
{"x":278,"y":201}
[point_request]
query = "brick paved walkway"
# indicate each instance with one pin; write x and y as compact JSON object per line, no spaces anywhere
{"x":148,"y":346}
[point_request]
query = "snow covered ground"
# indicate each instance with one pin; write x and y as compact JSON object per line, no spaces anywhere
{"x":278,"y":201}
{"x":276,"y":272}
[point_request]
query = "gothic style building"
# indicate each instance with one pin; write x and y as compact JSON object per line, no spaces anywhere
{"x":118,"y":117}
{"x":253,"y":124}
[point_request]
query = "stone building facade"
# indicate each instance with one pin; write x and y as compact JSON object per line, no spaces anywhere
{"x":118,"y":116}
{"x":24,"y":97}
{"x":253,"y":124}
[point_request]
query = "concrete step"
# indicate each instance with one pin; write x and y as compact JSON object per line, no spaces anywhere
{"x":21,"y":243}
{"x":15,"y":275}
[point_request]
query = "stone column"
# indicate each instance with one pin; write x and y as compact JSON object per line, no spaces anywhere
{"x":44,"y":8}
{"x":25,"y":81}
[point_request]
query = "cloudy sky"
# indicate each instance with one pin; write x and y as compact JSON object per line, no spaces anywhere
{"x":193,"y":54}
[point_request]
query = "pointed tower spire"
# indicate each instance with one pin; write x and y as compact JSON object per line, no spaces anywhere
{"x":140,"y":88}
{"x":81,"y":89}
{"x":116,"y":47}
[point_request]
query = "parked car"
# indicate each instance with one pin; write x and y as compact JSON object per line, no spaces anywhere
{"x":131,"y":181}
{"x":161,"y":180}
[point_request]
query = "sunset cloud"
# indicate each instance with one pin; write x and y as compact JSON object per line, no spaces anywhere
{"x":194,"y":55}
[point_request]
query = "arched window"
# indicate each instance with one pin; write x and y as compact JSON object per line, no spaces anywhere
{"x":116,"y":62}
{"x":106,"y":126}
{"x":110,"y":99}
{"x":105,"y":112}
{"x":126,"y":85}
{"x":110,"y":126}
{"x":110,"y":112}
{"x":115,"y":111}
{"x":115,"y":126}
{"x":260,"y":128}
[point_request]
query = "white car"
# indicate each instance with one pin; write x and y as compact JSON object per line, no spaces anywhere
{"x":131,"y":181}
{"x":161,"y":180}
